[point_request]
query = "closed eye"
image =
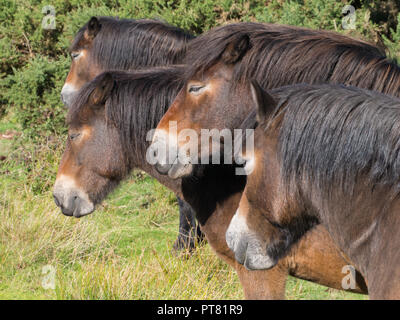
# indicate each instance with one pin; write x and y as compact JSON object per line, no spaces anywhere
{"x":73,"y":136}
{"x":75,"y":55}
{"x":196,"y":89}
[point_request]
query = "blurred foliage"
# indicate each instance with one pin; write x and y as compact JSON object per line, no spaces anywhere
{"x":34,"y":61}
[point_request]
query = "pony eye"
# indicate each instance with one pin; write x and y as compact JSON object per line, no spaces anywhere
{"x":75,"y":55}
{"x":196,"y":89}
{"x":73,"y":136}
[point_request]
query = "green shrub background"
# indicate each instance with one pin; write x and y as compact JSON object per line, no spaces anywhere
{"x":34,"y":62}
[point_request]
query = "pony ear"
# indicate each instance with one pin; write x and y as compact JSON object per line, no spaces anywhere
{"x":102,"y":90}
{"x":265,"y":104}
{"x":93,"y":28}
{"x":235,"y":50}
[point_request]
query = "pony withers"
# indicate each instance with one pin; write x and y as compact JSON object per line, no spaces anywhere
{"x":324,"y":154}
{"x":107,"y":43}
{"x":108,"y":126}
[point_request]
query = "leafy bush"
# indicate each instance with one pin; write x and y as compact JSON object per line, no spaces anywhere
{"x":35,"y":95}
{"x":34,"y":61}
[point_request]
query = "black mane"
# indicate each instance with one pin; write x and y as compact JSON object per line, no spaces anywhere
{"x":331,"y":136}
{"x":123,"y":44}
{"x":136,"y":105}
{"x":283,"y":55}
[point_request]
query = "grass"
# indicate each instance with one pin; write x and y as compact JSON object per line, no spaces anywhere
{"x":121,"y":251}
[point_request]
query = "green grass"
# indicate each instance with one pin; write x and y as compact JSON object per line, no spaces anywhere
{"x":121,"y":251}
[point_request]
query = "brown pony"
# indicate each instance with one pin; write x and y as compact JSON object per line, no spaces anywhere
{"x":108,"y":124}
{"x":107,"y":43}
{"x":221,"y":62}
{"x":331,"y":155}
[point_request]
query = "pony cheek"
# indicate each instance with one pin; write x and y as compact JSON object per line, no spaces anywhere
{"x":198,"y":111}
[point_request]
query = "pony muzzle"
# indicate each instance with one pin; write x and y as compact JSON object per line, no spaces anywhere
{"x":70,"y":199}
{"x":180,"y":170}
{"x":166,"y":157}
{"x":67,"y":94}
{"x":248,"y":250}
{"x":174,"y":170}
